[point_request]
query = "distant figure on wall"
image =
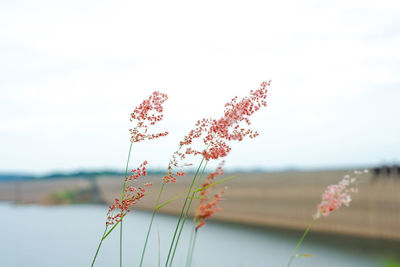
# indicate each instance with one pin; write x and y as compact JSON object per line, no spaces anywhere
{"x":386,"y":171}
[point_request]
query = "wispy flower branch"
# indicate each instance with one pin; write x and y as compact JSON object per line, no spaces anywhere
{"x":335,"y":196}
{"x":147,"y":114}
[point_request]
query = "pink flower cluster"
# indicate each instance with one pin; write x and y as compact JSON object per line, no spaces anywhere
{"x":130,"y":196}
{"x":217,"y":133}
{"x":170,"y":177}
{"x":208,"y":207}
{"x":337,"y":195}
{"x":149,"y":112}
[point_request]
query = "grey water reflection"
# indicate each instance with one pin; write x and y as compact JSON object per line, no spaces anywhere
{"x":68,"y":236}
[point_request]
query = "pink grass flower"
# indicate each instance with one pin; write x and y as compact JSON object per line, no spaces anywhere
{"x":148,"y":113}
{"x":216,"y":134}
{"x":233,"y":125}
{"x":130,"y":197}
{"x":209,"y":206}
{"x":337,"y":195}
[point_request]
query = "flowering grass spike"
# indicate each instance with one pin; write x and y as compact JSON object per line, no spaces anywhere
{"x":215,"y":134}
{"x":148,"y":113}
{"x":335,"y":196}
{"x":209,"y":206}
{"x":131,"y":195}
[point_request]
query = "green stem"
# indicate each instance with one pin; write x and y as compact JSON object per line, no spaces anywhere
{"x":122,"y":198}
{"x":171,"y":200}
{"x":105,"y":234}
{"x":151,"y":223}
{"x":152,"y":218}
{"x":182,"y":211}
{"x":186,"y":213}
{"x":192,"y":250}
{"x":98,"y":247}
{"x":159,"y":246}
{"x":126,"y":171}
{"x":104,"y":237}
{"x":190,"y":243}
{"x":192,"y":234}
{"x":301,"y":241}
{"x":120,"y":245}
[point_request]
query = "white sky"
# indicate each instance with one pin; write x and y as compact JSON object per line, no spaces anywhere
{"x":72,"y":71}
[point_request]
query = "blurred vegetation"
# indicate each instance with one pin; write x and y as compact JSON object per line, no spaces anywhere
{"x":87,"y":174}
{"x":75,"y":196}
{"x":391,"y":263}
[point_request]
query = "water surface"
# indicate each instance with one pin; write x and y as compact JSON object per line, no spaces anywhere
{"x":68,"y":236}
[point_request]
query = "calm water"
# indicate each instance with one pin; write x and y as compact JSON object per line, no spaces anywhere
{"x":68,"y":236}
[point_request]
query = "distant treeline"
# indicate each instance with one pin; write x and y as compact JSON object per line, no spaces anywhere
{"x":14,"y":177}
{"x":92,"y":174}
{"x":78,"y":174}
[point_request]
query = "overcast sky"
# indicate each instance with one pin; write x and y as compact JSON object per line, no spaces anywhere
{"x":71,"y":72}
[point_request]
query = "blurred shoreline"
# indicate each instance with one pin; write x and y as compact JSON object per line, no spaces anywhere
{"x":284,"y":200}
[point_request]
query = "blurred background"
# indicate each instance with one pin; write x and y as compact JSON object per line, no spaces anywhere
{"x":71,"y":72}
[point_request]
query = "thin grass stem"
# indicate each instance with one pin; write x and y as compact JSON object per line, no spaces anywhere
{"x":156,"y":208}
{"x":98,"y":247}
{"x":195,"y":219}
{"x":187,"y":211}
{"x":122,"y":198}
{"x":159,"y":246}
{"x":192,"y":250}
{"x":151,"y":223}
{"x":193,"y":232}
{"x":171,"y":200}
{"x":182,"y":211}
{"x":301,"y":241}
{"x":120,"y":245}
{"x":105,"y":234}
